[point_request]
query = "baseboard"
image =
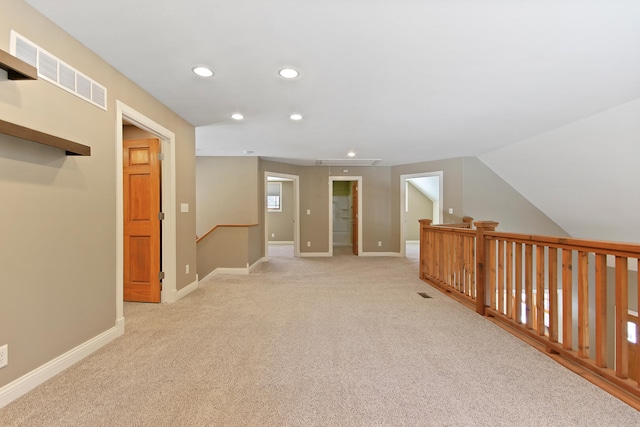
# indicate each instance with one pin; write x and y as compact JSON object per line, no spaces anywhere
{"x":394,"y":254}
{"x":186,"y":290}
{"x":28,"y":382}
{"x":413,"y":241}
{"x":257,"y":263}
{"x":280,"y":242}
{"x":314,"y":254}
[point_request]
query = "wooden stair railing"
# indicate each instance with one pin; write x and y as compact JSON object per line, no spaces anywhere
{"x":545,"y":290}
{"x":199,"y":239}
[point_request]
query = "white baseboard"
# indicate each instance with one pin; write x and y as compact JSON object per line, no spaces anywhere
{"x":28,"y":382}
{"x":257,"y":263}
{"x":413,"y":241}
{"x":395,"y":254}
{"x":186,"y":290}
{"x":280,"y":242}
{"x":314,"y":254}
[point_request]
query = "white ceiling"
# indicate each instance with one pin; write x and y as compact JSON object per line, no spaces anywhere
{"x":402,"y":81}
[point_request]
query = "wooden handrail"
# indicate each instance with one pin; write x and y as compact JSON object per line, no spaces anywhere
{"x":532,"y":285}
{"x":223,"y":225}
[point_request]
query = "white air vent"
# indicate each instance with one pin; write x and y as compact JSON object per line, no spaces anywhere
{"x":57,"y":72}
{"x":348,"y":162}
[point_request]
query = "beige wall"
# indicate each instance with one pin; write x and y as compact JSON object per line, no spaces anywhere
{"x":227,"y":191}
{"x":281,"y":223}
{"x":489,"y":197}
{"x":57,"y":221}
{"x":420,"y":207}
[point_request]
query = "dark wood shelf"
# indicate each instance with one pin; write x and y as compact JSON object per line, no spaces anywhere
{"x":71,"y":148}
{"x":17,"y":69}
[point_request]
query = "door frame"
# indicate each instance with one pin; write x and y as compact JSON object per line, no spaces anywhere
{"x":403,"y":201}
{"x":360,"y":210}
{"x":296,"y":211}
{"x":168,"y":204}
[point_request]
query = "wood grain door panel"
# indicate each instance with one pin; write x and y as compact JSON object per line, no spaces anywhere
{"x":141,"y":222}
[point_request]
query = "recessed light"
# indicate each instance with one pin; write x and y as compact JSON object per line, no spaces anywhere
{"x":351,"y":154}
{"x":237,"y":116}
{"x":248,"y":151}
{"x":202,"y":71}
{"x":296,"y":117}
{"x":288,"y":73}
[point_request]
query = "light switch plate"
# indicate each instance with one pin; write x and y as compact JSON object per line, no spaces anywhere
{"x":184,"y":207}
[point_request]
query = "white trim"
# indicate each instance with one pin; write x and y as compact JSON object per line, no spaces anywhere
{"x":256,"y":264}
{"x":315,"y":254}
{"x":403,"y":197}
{"x":296,"y":210}
{"x":179,"y":294}
{"x":281,"y":242}
{"x":393,"y":254}
{"x":168,"y":148}
{"x":31,"y":380}
{"x":360,"y":210}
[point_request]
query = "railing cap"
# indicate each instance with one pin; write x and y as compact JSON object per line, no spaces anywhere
{"x":486,"y":225}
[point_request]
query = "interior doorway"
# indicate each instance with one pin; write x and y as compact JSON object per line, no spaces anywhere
{"x":345,"y":216}
{"x":421,"y":197}
{"x":126,"y":115}
{"x":281,"y":215}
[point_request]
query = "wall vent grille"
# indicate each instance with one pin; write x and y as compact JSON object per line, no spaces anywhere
{"x":58,"y":72}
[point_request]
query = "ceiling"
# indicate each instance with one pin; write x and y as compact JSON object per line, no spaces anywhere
{"x":400,"y":81}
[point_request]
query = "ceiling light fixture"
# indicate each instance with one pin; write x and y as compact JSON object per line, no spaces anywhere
{"x":351,"y":154}
{"x":289,"y":73}
{"x":237,"y":116}
{"x":202,"y":71}
{"x":296,"y":117}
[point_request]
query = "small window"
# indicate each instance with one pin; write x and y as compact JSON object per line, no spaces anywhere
{"x":274,"y":197}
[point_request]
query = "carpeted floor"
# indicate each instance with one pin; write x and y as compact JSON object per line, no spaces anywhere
{"x":342,"y":341}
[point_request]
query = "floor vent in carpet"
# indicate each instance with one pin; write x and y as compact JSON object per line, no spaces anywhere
{"x":423,"y":295}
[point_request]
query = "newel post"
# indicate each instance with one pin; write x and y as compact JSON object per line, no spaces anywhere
{"x":482,"y":263}
{"x":423,"y":245}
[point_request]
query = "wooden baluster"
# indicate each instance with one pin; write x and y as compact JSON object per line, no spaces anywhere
{"x":472,"y":268}
{"x":528,"y":284}
{"x":465,"y":265}
{"x":458,"y":263}
{"x":567,"y":299}
{"x":509,"y":274}
{"x":601,"y":310}
{"x":553,"y":294}
{"x":518,"y":283}
{"x":501,"y":295}
{"x":622,"y":312}
{"x":492,"y":273}
{"x":540,"y":288}
{"x":583,"y":304}
{"x":482,"y":254}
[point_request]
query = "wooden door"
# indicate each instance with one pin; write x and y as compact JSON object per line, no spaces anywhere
{"x":141,"y":180}
{"x":354,"y":218}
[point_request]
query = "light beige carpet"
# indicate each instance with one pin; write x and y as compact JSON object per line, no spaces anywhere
{"x":345,"y":341}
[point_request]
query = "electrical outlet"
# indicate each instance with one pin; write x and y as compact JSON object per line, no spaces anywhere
{"x":4,"y":355}
{"x":308,"y":244}
{"x":451,"y":211}
{"x":186,"y":269}
{"x":273,"y":234}
{"x":379,"y":243}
